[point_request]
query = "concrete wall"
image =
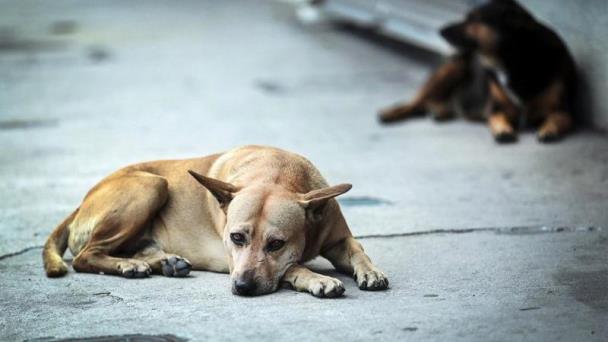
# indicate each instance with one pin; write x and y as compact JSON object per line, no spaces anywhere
{"x":584,"y":26}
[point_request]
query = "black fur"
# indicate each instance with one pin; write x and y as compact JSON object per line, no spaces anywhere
{"x":532,"y":55}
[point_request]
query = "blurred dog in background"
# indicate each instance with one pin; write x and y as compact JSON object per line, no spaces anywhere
{"x":509,"y":69}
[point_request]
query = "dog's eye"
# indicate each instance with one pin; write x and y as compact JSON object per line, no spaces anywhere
{"x":237,"y":238}
{"x":275,"y":245}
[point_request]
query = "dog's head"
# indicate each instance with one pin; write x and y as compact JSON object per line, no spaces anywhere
{"x":489,"y":27}
{"x":265,"y":229}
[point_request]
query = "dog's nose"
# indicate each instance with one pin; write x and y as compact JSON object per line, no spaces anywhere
{"x":245,"y":287}
{"x":456,"y":35}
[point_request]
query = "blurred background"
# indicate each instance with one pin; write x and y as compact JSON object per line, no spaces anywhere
{"x":416,"y":22}
{"x":87,"y":87}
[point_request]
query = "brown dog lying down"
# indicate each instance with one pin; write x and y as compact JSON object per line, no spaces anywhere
{"x":266,"y":211}
{"x":497,"y":39}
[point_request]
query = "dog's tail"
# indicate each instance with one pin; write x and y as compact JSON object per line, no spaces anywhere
{"x":55,"y":246}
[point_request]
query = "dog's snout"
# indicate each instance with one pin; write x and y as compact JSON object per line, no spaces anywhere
{"x":245,"y":285}
{"x":245,"y":288}
{"x":456,"y":35}
{"x":452,"y":32}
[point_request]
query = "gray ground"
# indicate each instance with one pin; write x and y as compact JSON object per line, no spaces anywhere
{"x":481,"y":242}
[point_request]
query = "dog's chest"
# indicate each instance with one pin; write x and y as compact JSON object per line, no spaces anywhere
{"x":503,"y":79}
{"x":495,"y":66}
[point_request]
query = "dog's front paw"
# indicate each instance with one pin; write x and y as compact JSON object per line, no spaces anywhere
{"x":548,"y":135}
{"x":325,"y":287}
{"x":505,"y":137}
{"x":371,"y":280}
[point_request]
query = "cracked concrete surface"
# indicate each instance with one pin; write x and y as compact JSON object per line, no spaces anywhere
{"x":479,"y":286}
{"x":87,"y":88}
{"x":19,"y":252}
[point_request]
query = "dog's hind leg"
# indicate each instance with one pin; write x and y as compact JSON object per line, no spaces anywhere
{"x":169,"y":265}
{"x":436,"y":95}
{"x":115,"y":212}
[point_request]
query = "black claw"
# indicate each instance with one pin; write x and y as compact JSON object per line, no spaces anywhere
{"x":504,"y":138}
{"x":336,"y":292}
{"x":549,"y":138}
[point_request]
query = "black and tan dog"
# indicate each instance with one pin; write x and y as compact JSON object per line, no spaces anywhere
{"x":266,"y":212}
{"x":509,"y":69}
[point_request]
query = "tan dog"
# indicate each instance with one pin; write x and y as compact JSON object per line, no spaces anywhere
{"x":265,"y":213}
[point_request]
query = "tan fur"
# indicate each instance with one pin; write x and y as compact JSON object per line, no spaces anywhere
{"x":155,"y":218}
{"x":501,"y":100}
{"x":500,"y":126}
{"x":55,"y":247}
{"x":555,"y":125}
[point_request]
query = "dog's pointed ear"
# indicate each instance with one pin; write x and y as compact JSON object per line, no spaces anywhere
{"x":222,"y":191}
{"x":315,"y":200}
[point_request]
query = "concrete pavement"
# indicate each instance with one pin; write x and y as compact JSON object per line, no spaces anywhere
{"x":458,"y":287}
{"x":87,"y":88}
